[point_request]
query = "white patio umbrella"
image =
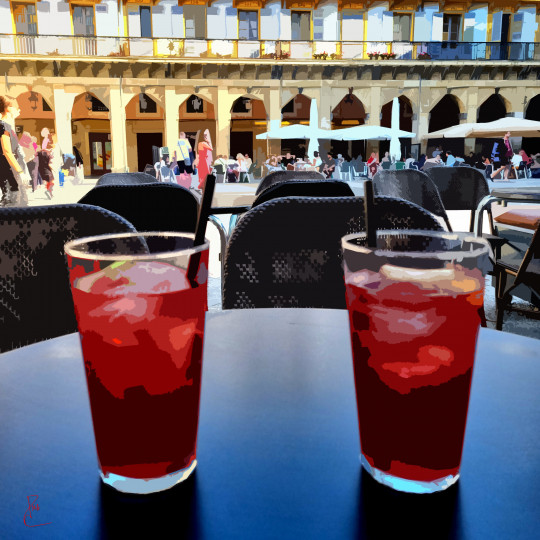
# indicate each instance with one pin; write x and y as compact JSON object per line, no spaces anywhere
{"x":310,"y":132}
{"x":518,"y":127}
{"x":395,"y":145}
{"x":358,"y":133}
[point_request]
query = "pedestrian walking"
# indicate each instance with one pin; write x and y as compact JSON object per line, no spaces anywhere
{"x":204,"y":158}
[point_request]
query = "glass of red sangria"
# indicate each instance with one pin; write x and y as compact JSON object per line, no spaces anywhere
{"x":140,"y":301}
{"x":415,"y":301}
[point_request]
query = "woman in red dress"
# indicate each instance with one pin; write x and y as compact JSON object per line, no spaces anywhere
{"x":204,"y":158}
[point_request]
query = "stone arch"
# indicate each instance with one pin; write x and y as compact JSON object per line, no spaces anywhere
{"x":145,"y":128}
{"x":296,"y":109}
{"x":248,"y":119}
{"x":445,"y":113}
{"x":36,"y":114}
{"x":532,"y":144}
{"x":197,"y":113}
{"x":493,"y":108}
{"x":405,"y":123}
{"x":91,"y":132}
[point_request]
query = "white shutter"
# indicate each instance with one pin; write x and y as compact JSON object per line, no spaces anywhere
{"x":331,"y":23}
{"x":177,"y":21}
{"x":231,"y":23}
{"x":134,"y":21}
{"x":352,"y":27}
{"x":269,"y":29}
{"x":387,"y":26}
{"x":496,"y":27}
{"x":215,"y":23}
{"x":422,"y":28}
{"x":437,"y":27}
{"x":285,"y":24}
{"x":468,"y":26}
{"x":517,"y":27}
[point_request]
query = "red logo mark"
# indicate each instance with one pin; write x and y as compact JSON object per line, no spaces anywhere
{"x":33,"y":506}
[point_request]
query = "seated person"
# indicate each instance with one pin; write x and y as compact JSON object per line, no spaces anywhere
{"x":317,"y":161}
{"x":329,"y":166}
{"x":409,"y":161}
{"x":288,"y":160}
{"x":450,"y":159}
{"x":272,"y":164}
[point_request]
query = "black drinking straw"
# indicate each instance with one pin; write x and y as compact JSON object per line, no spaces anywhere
{"x":200,"y":229}
{"x":369,"y":214}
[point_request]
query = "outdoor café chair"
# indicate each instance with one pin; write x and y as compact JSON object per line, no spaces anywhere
{"x":286,"y":252}
{"x":132,"y":178}
{"x":282,"y":176}
{"x":386,"y":165}
{"x":154,"y":207}
{"x":35,"y":297}
{"x":461,"y":188}
{"x":150,"y":207}
{"x":413,"y":186}
{"x":525,"y":271}
{"x":305,"y":188}
{"x":219,"y":171}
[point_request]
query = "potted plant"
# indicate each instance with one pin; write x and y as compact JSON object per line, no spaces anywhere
{"x":383,"y":56}
{"x":392,"y":55}
{"x":424,"y":56}
{"x":373,"y":55}
{"x":335,"y":56}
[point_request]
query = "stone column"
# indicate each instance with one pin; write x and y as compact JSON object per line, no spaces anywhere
{"x":374,"y":118}
{"x":223,"y":121}
{"x":274,"y":120}
{"x":63,"y":104}
{"x":422,"y":126}
{"x":172,"y":105}
{"x":118,"y":130}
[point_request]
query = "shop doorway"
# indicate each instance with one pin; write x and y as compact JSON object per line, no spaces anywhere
{"x":145,"y":141}
{"x":100,"y":153}
{"x":241,"y":143}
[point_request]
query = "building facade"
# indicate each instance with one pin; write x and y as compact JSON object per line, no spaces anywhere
{"x":115,"y":78}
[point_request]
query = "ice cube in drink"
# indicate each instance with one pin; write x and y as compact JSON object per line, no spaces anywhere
{"x":141,"y":326}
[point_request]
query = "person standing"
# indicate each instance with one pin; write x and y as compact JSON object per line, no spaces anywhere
{"x":242,"y":168}
{"x":204,"y":158}
{"x":501,"y":154}
{"x":14,"y":173}
{"x":183,"y":158}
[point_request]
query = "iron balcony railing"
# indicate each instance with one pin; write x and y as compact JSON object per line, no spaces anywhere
{"x":45,"y":45}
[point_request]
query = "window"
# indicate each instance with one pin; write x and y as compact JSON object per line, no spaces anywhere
{"x":95,"y":104}
{"x":194,"y":104}
{"x":195,"y":21}
{"x":402,"y":27}
{"x":451,"y":24}
{"x":25,"y":19}
{"x":248,"y":25}
{"x":301,"y":25}
{"x":83,"y":21}
{"x":146,"y":22}
{"x":147,"y":104}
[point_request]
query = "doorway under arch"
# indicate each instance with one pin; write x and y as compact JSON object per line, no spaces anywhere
{"x":445,"y":114}
{"x":248,"y":119}
{"x":531,"y":145}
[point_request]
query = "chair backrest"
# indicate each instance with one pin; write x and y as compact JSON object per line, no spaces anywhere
{"x":35,"y":297}
{"x":386,"y":165}
{"x":305,"y":188}
{"x":460,"y":188}
{"x":413,"y":186}
{"x":429,"y":165}
{"x":400,"y":165}
{"x":133,"y":178}
{"x":345,"y":166}
{"x":287,"y":252}
{"x":220,"y":169}
{"x":252,"y":167}
{"x":149,"y":207}
{"x":282,"y":176}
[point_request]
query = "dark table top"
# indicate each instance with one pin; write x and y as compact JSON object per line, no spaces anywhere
{"x":523,"y":193}
{"x":278,"y":449}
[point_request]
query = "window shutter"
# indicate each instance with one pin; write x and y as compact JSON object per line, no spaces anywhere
{"x":231,"y":23}
{"x":318,"y":24}
{"x":285,"y":25}
{"x":496,"y":27}
{"x":468,"y":26}
{"x":387,"y":26}
{"x":216,"y":24}
{"x":437,"y":27}
{"x":269,"y":29}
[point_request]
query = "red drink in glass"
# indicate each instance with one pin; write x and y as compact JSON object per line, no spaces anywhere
{"x":413,"y":337}
{"x":142,"y":327}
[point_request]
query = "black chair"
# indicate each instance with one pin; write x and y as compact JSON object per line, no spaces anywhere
{"x":130,"y":179}
{"x":461,"y":188}
{"x":287,"y":252}
{"x":150,"y":207}
{"x":413,"y":186}
{"x":282,"y":176}
{"x":525,"y":271}
{"x":305,"y":188}
{"x":150,"y":170}
{"x":35,"y":297}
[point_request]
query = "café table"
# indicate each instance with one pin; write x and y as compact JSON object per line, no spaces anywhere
{"x":278,"y":445}
{"x":516,"y":195}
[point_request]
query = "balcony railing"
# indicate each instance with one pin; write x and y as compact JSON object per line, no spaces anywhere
{"x":265,"y":49}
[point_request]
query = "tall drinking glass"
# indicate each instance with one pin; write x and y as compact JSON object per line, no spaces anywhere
{"x":140,"y":302}
{"x":413,"y":304}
